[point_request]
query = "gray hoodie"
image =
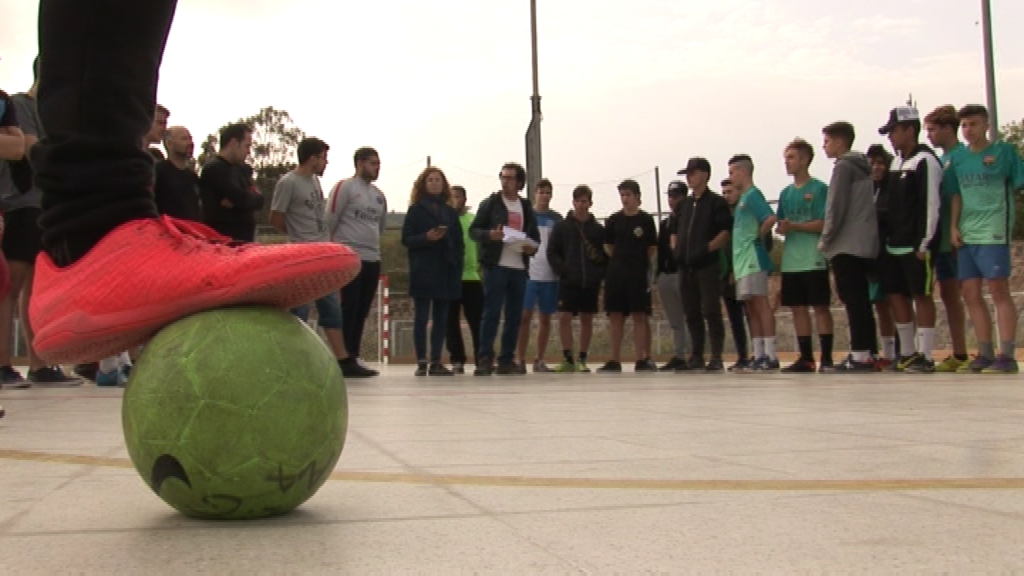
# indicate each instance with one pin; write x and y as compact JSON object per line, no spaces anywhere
{"x":851,"y":222}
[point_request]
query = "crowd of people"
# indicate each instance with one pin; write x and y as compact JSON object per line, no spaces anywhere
{"x":885,"y":229}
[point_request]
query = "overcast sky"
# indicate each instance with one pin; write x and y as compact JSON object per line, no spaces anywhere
{"x":626,"y":86}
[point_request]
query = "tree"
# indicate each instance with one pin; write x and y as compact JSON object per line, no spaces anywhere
{"x":1013,"y":133}
{"x":275,"y":139}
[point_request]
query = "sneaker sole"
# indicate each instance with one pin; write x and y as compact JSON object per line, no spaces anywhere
{"x":78,"y":338}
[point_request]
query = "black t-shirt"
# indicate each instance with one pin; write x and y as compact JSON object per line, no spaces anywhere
{"x":176,"y":192}
{"x":631,"y":237}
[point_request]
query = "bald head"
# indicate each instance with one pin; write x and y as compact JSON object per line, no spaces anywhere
{"x":178,"y":143}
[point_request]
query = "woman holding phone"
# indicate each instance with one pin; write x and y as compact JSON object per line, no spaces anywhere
{"x":435,"y":265}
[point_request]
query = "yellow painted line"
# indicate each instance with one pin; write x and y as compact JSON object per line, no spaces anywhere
{"x":841,"y":485}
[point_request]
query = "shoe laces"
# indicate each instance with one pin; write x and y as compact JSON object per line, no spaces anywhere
{"x":193,"y":236}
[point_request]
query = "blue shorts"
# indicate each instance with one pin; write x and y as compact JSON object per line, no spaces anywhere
{"x":543,"y":295}
{"x":983,"y":261}
{"x":945,"y":266}
{"x":328,"y":311}
{"x":875,"y":293}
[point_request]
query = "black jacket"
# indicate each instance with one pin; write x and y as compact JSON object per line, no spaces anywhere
{"x":700,"y":220}
{"x":222,"y":180}
{"x":666,"y":258}
{"x":913,"y":201}
{"x":435,"y":268}
{"x":575,"y":264}
{"x":489,"y":215}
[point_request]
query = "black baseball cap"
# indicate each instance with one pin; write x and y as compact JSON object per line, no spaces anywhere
{"x":899,"y":115}
{"x":696,"y":163}
{"x":677,"y":188}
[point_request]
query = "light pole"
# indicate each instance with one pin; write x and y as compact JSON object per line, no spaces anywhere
{"x":533,"y":155}
{"x":990,"y":72}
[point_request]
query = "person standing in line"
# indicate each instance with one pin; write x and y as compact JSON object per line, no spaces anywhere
{"x":471,"y":301}
{"x":705,"y":226}
{"x":297,"y":209}
{"x":21,"y":201}
{"x":849,"y":239}
{"x":987,"y":177}
{"x":230,"y":203}
{"x":157,"y":133}
{"x":631,"y":240}
{"x":880,"y":161}
{"x":912,"y":238}
{"x":805,"y":280}
{"x":504,"y":266}
{"x":754,"y":219}
{"x":357,"y":217}
{"x":576,"y":253}
{"x":176,"y":188}
{"x":737,"y":312}
{"x":542,"y":285}
{"x":942,"y":125}
{"x":668,"y":280}
{"x":432,"y":236}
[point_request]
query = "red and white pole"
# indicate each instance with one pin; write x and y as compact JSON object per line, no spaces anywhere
{"x":385,"y":319}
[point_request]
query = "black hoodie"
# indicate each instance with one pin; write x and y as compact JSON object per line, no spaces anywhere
{"x":576,"y":251}
{"x":913,"y":201}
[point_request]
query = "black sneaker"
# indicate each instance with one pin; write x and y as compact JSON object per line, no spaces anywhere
{"x":421,"y":369}
{"x":458,"y":368}
{"x":920,"y":365}
{"x":672,"y":364}
{"x":645,"y":366}
{"x":438,"y":369}
{"x":715,"y":366}
{"x":611,"y":366}
{"x":509,"y":369}
{"x":827,"y":366}
{"x":87,"y":371}
{"x":350,"y":368}
{"x":851,"y":366}
{"x":52,"y":376}
{"x":742,"y":365}
{"x":801,"y":366}
{"x":693,"y":364}
{"x":11,"y":378}
{"x":484,"y":367}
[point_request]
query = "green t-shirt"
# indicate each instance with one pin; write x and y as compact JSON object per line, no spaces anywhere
{"x":946,"y":192}
{"x":799,"y":206}
{"x":748,"y":253}
{"x":470,"y":266}
{"x":986,"y":182}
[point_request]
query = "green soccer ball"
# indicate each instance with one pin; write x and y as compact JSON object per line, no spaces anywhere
{"x":235,"y":413}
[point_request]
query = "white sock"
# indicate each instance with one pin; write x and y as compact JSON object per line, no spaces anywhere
{"x":889,"y":347}
{"x":908,"y":342}
{"x":109,"y":364}
{"x":124,"y":359}
{"x":758,"y":348}
{"x":769,"y":348}
{"x":860,"y":356}
{"x":926,"y":341}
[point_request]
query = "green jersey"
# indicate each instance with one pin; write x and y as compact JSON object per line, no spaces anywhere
{"x":471,"y":265}
{"x":748,"y":253}
{"x":946,"y":192}
{"x":799,"y":206}
{"x":986,"y":182}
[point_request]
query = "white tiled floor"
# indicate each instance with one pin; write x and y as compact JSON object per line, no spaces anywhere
{"x":562,"y":474}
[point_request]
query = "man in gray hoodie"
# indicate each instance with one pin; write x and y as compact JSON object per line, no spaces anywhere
{"x":849,"y":239}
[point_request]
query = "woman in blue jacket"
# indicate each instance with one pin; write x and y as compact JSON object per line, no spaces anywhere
{"x":433,"y":236}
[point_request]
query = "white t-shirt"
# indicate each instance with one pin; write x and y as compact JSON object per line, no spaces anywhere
{"x":540,"y":269}
{"x":511,"y":257}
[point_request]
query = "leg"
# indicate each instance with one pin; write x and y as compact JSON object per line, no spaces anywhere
{"x":738,"y":325}
{"x":543,"y":335}
{"x":710,"y":291}
{"x":672,"y":303}
{"x":641,"y":332}
{"x":548,"y":305}
{"x":852,"y":284}
{"x":370,"y":277}
{"x":1006,"y":320}
{"x":586,"y":333}
{"x":473,"y":305}
{"x":617,"y":321}
{"x":329,"y":313}
{"x":530,"y":298}
{"x":456,"y":345}
{"x":439,"y":319}
{"x":515,"y":290}
{"x":565,"y":332}
{"x":494,"y":299}
{"x":689,"y":289}
{"x":956,"y":317}
{"x":421,"y":316}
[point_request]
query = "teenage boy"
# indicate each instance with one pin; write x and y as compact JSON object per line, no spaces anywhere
{"x":751,"y":263}
{"x":542,"y":286}
{"x":472,"y":300}
{"x":849,"y":239}
{"x":880,"y":161}
{"x":575,"y":252}
{"x":986,"y":177}
{"x":911,"y":238}
{"x":805,"y":281}
{"x":668,"y":280}
{"x":942,"y":125}
{"x":734,"y":308}
{"x":631,"y":240}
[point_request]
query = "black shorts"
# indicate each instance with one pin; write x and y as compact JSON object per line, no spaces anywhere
{"x":810,"y":288}
{"x":627,"y":295}
{"x":577,"y":299}
{"x":906,"y":275}
{"x":23,"y":238}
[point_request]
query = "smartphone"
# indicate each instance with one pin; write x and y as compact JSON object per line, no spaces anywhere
{"x":442,"y":228}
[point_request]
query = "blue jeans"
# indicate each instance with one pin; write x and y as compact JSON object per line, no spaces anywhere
{"x":503,"y":288}
{"x":328,"y":309}
{"x":438,"y":329}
